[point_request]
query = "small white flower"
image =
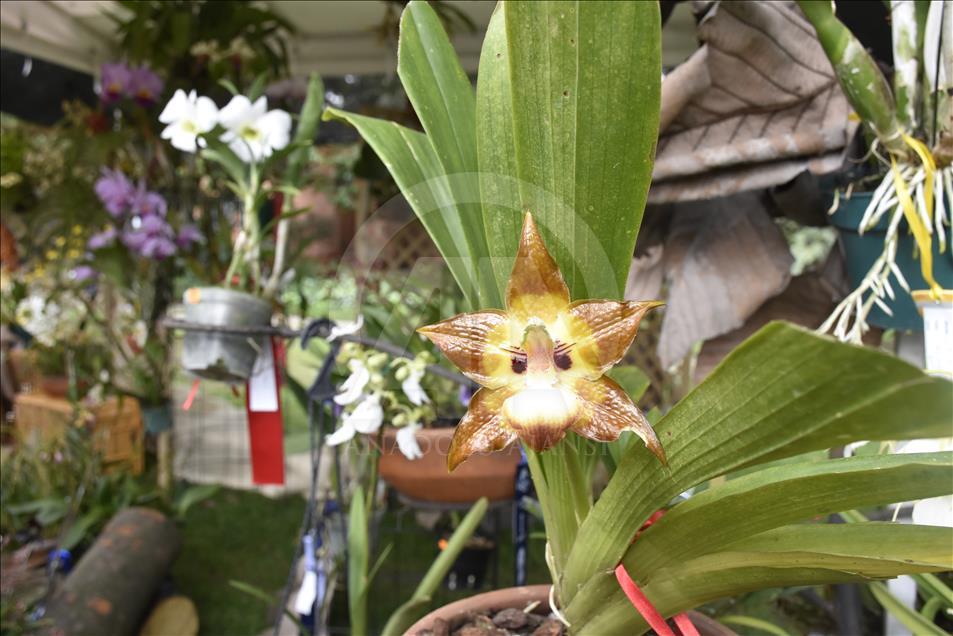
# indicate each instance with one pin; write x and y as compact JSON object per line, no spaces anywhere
{"x":346,"y":328}
{"x":344,"y":434}
{"x":353,"y":388}
{"x":367,"y":416}
{"x":412,"y":389}
{"x":187,"y":116}
{"x":252,"y":131}
{"x":407,"y":441}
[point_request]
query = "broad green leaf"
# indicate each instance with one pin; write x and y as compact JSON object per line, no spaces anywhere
{"x":412,"y":162}
{"x":785,"y":494}
{"x":443,"y":99}
{"x":584,"y":106}
{"x":415,"y":607}
{"x":782,"y":392}
{"x":304,"y":135}
{"x":358,"y":548}
{"x":496,"y":149}
{"x":795,"y":555}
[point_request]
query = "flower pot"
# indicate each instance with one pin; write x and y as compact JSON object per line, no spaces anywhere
{"x":426,"y":479}
{"x":223,"y":356}
{"x":58,"y":386}
{"x":457,"y":613}
{"x":157,"y":418}
{"x":861,"y":250}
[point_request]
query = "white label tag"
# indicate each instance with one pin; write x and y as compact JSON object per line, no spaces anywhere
{"x":263,"y":385}
{"x":938,"y":337}
{"x":307,"y":594}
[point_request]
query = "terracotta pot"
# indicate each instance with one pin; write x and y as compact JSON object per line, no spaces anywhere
{"x":58,"y":386}
{"x":427,"y":479}
{"x":456,"y":613}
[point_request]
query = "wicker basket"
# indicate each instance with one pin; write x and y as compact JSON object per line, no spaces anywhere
{"x":116,"y":426}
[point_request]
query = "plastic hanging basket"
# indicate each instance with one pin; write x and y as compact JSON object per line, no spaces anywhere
{"x":220,"y":355}
{"x":861,"y":250}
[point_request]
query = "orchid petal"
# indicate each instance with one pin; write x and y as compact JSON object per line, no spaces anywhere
{"x":367,"y":416}
{"x":606,"y":411}
{"x":476,"y":344}
{"x":481,"y":430}
{"x":412,"y":389}
{"x":601,"y":331}
{"x":407,"y":441}
{"x":536,"y":288}
{"x":541,"y":415}
{"x":176,"y":107}
{"x":344,"y":434}
{"x":236,"y":112}
{"x":353,"y":388}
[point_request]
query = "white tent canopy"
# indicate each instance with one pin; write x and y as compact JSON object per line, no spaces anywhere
{"x":334,"y":37}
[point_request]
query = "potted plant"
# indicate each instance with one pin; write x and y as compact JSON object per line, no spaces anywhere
{"x":563,"y":125}
{"x":248,"y":142}
{"x":896,"y":231}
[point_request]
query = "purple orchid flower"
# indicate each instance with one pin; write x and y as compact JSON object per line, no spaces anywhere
{"x":114,"y":80}
{"x":82,"y":273}
{"x":188,"y":234}
{"x":116,"y":192}
{"x":102,"y":239}
{"x":157,"y":247}
{"x":144,"y":86}
{"x":466,"y":392}
{"x":147,"y":203}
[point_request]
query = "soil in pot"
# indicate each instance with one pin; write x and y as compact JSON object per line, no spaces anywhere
{"x":515,"y":611}
{"x":427,"y":479}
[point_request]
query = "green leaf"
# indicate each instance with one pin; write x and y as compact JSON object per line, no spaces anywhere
{"x":221,"y":154}
{"x":914,"y":621}
{"x":412,"y":162}
{"x":443,"y":99}
{"x":794,"y":555}
{"x":192,"y":496}
{"x":783,"y":392}
{"x":784,"y":494}
{"x":408,"y":613}
{"x":357,"y":559}
{"x":584,"y":84}
{"x":632,"y":380}
{"x":78,"y":531}
{"x":753,"y":623}
{"x":304,"y":135}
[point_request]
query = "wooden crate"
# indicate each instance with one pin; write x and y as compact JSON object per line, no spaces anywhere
{"x":116,"y":426}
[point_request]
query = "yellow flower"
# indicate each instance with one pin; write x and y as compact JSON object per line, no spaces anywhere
{"x":541,"y":362}
{"x":51,"y":255}
{"x":77,"y":230}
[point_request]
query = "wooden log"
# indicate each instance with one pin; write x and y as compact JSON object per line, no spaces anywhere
{"x":113,"y":586}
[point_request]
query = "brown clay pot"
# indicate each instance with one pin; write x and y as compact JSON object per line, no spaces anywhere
{"x":58,"y":385}
{"x":427,"y":479}
{"x":456,"y":613}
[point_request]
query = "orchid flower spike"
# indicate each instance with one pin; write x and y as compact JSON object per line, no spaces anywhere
{"x":541,"y":362}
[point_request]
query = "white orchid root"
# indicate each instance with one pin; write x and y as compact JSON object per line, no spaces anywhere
{"x":848,"y":321}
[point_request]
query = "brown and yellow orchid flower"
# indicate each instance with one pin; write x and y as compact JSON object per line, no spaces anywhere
{"x":541,"y":362}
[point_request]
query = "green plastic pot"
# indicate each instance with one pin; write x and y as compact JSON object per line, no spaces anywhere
{"x":861,"y":250}
{"x":157,"y":418}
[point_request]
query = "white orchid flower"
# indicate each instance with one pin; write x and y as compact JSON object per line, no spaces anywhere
{"x":346,"y":328}
{"x":407,"y":441}
{"x":344,"y":434}
{"x":367,"y":416}
{"x":188,"y":116}
{"x":252,"y":131}
{"x":353,"y":388}
{"x":412,"y":389}
{"x":935,"y":511}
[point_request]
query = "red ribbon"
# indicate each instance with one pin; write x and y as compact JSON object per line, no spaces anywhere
{"x":191,"y":396}
{"x":265,"y":434}
{"x":641,"y":602}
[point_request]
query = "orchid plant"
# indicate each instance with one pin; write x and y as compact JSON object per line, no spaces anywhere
{"x":563,"y":125}
{"x":912,"y":123}
{"x":247,"y":140}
